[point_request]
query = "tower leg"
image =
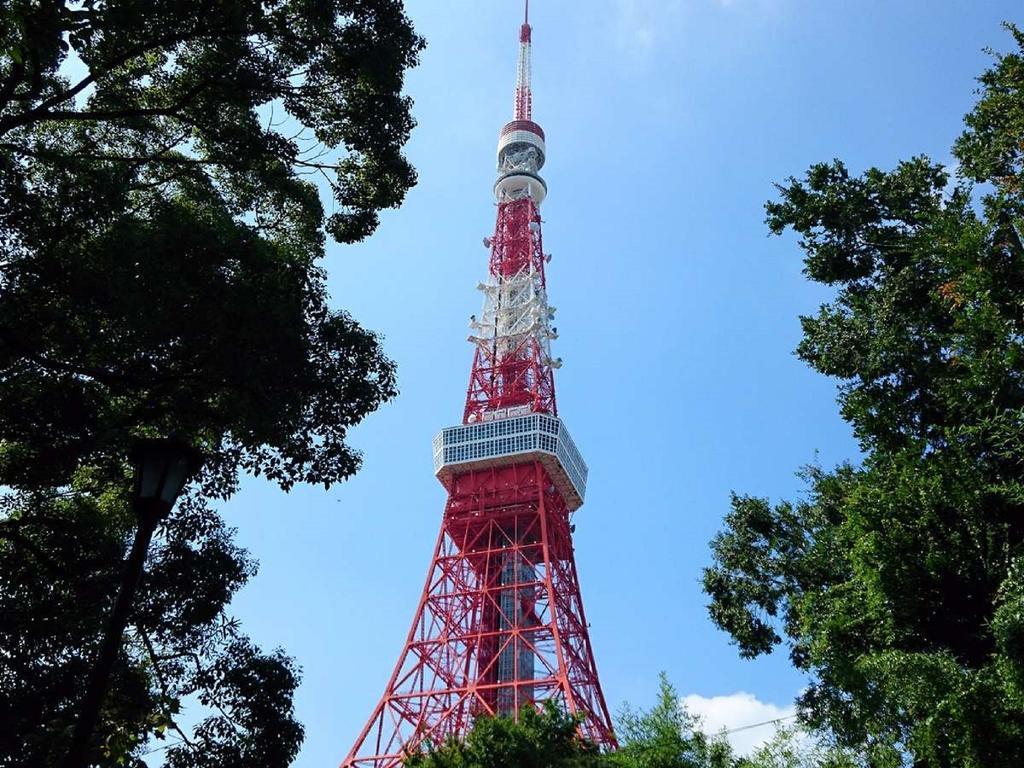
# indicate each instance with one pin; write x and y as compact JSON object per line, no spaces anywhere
{"x":500,"y":624}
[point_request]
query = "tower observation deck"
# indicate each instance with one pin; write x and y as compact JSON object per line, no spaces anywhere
{"x":500,"y":624}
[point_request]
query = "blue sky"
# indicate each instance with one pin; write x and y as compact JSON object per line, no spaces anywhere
{"x":667,"y":124}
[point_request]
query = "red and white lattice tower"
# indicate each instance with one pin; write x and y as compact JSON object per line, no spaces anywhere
{"x":500,"y":625}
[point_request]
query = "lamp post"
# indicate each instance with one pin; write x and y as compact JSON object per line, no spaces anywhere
{"x":162,"y":468}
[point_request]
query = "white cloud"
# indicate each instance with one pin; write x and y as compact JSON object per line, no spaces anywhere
{"x":738,"y":710}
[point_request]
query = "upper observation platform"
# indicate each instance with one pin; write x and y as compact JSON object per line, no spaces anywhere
{"x":513,"y":440}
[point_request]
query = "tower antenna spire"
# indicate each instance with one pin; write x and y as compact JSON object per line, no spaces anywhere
{"x":524,"y":96}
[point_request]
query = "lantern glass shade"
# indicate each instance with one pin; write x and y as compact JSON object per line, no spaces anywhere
{"x":162,"y":468}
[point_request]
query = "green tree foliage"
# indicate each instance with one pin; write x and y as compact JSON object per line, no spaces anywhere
{"x":160,"y":229}
{"x":60,"y":562}
{"x":161,"y":226}
{"x":793,"y":747}
{"x":539,"y":739}
{"x":666,"y":736}
{"x":897,"y":584}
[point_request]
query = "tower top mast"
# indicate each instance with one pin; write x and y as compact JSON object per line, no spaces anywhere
{"x":524,"y":98}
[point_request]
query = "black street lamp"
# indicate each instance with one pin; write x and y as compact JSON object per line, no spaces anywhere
{"x":162,"y":468}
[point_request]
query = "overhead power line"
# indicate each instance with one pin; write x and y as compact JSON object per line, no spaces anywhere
{"x":757,"y":725}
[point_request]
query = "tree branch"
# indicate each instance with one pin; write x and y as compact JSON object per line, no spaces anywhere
{"x":41,"y":111}
{"x":161,"y":681}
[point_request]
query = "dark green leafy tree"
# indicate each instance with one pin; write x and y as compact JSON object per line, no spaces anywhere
{"x":161,"y":169}
{"x":897,"y":583}
{"x":61,"y":560}
{"x":160,"y":230}
{"x":539,"y":739}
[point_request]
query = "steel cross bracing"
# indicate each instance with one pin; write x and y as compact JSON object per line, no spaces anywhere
{"x":500,"y":624}
{"x":512,"y":363}
{"x":476,"y":610}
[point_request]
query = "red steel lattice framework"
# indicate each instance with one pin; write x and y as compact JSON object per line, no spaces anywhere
{"x":500,"y":624}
